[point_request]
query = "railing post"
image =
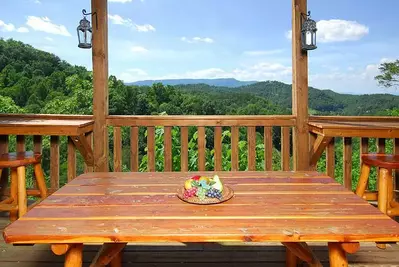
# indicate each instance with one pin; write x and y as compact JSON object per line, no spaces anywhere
{"x":299,"y":89}
{"x":100,"y":84}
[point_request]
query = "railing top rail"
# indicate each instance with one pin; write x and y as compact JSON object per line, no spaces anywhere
{"x":201,"y":120}
{"x":46,"y":116}
{"x":354,"y":118}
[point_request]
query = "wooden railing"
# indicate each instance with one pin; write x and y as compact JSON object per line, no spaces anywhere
{"x":253,"y":127}
{"x":267,"y":139}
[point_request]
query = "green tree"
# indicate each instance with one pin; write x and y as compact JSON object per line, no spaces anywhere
{"x":389,"y":76}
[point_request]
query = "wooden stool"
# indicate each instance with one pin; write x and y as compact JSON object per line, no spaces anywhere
{"x":17,"y":202}
{"x":385,"y":195}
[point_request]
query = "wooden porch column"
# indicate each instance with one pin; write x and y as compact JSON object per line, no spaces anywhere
{"x":100,"y":83}
{"x":299,"y":89}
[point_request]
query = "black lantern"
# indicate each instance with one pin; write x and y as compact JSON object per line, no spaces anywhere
{"x":308,"y":33}
{"x":84,"y":31}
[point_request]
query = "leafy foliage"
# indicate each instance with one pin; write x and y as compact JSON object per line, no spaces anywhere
{"x":389,"y":76}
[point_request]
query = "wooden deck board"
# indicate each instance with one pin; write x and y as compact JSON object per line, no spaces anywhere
{"x":192,"y":255}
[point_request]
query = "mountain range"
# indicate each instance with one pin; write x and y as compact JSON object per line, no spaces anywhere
{"x":223,"y":82}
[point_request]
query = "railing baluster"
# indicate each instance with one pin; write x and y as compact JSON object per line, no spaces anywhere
{"x":251,"y":139}
{"x":151,"y":148}
{"x":285,"y":148}
{"x":235,"y":135}
{"x":4,"y":172}
{"x":330,"y":158}
{"x":134,"y":148}
{"x":20,"y":143}
{"x":71,"y":172}
{"x":218,"y":148}
{"x":37,"y":148}
{"x":201,"y":148}
{"x":268,"y":141}
{"x":347,"y":162}
{"x":55,"y":162}
{"x":89,"y":139}
{"x":117,"y":149}
{"x":184,"y":148}
{"x":168,"y":148}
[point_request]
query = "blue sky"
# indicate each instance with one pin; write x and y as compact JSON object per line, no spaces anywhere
{"x":246,"y":40}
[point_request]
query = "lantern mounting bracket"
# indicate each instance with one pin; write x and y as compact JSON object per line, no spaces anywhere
{"x":84,"y":12}
{"x":305,"y":16}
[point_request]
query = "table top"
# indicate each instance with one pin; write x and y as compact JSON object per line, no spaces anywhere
{"x":44,"y":126}
{"x":360,"y":128}
{"x":143,"y":207}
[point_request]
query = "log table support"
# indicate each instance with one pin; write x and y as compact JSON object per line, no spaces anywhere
{"x":318,"y":147}
{"x":337,"y":255}
{"x":73,"y":257}
{"x":84,"y":148}
{"x":303,"y":252}
{"x":109,"y":253}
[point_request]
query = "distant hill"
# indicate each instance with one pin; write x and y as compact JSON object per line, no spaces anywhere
{"x":225,"y":82}
{"x":325,"y":102}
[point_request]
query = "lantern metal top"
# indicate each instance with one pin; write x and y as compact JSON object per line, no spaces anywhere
{"x":309,"y":24}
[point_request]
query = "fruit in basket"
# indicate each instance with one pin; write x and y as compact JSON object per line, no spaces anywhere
{"x":214,"y":193}
{"x":205,"y":179}
{"x":201,"y":193}
{"x":188,"y":184}
{"x":217,"y":183}
{"x":190,"y":192}
{"x":196,"y":178}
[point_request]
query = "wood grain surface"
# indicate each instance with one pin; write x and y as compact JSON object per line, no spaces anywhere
{"x":143,"y":207}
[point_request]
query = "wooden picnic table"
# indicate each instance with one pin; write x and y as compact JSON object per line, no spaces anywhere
{"x":76,"y":129}
{"x":367,"y":127}
{"x":288,"y":207}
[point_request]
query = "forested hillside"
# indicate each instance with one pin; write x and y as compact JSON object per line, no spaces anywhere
{"x":33,"y":81}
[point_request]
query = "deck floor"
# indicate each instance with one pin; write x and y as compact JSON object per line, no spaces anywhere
{"x":191,"y":255}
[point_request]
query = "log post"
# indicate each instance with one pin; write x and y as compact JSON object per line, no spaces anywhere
{"x":100,"y":83}
{"x":299,"y":89}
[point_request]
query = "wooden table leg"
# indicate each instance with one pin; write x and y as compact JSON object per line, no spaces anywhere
{"x":14,"y":194}
{"x":291,"y":260}
{"x":107,"y":254}
{"x":303,"y":252}
{"x":73,"y":257}
{"x":22,"y":200}
{"x":117,"y":260}
{"x":337,"y":255}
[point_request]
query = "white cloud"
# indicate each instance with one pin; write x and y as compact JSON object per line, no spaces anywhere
{"x":9,"y":27}
{"x":138,"y":49}
{"x":49,"y":39}
{"x":116,"y":19}
{"x":197,"y":40}
{"x":144,"y":28}
{"x":131,"y":75}
{"x":22,"y":29}
{"x":4,"y":27}
{"x":337,"y":30}
{"x":119,"y":20}
{"x":36,"y":2}
{"x":263,"y":52}
{"x":44,"y":24}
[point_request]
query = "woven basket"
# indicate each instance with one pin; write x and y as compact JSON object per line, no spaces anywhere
{"x":226,"y":195}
